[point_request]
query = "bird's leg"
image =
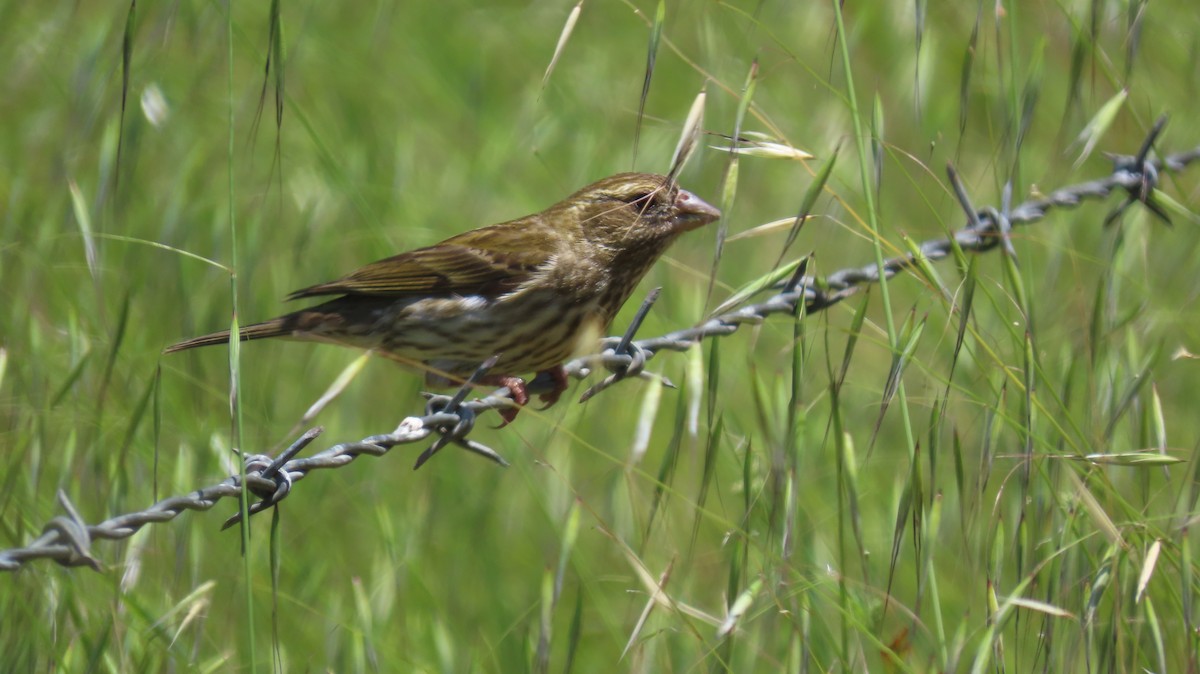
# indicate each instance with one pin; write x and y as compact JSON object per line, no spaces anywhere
{"x":516,"y":390}
{"x":558,"y":376}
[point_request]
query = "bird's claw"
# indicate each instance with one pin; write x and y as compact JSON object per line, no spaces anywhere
{"x":507,"y":414}
{"x":558,"y":376}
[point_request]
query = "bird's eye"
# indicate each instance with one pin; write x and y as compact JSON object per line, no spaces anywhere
{"x":637,"y":197}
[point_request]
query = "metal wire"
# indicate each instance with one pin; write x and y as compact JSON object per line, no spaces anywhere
{"x":67,"y":539}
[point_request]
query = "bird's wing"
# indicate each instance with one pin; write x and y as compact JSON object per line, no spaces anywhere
{"x":488,"y":261}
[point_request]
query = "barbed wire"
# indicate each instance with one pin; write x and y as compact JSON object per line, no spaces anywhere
{"x":67,"y":538}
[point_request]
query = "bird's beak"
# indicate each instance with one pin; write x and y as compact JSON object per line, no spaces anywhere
{"x":691,"y":211}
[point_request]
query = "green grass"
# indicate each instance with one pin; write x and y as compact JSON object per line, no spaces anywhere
{"x":808,"y":500}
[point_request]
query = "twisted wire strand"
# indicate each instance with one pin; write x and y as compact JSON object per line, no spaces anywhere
{"x":67,"y":539}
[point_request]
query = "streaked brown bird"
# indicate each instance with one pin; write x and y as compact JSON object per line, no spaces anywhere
{"x":529,"y":290}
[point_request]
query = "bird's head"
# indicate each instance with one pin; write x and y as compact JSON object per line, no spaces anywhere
{"x":634,"y":209}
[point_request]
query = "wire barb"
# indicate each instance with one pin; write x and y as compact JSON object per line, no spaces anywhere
{"x":1145,"y":173}
{"x":627,"y":359}
{"x":461,"y":419}
{"x":266,"y":470}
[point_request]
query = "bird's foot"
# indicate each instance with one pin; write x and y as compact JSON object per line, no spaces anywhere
{"x":516,"y":391}
{"x":558,"y":376}
{"x":520,"y":395}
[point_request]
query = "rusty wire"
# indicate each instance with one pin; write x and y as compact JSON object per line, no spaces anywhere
{"x":67,"y":538}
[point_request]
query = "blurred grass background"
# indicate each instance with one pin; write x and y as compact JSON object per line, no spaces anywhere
{"x":760,"y":494}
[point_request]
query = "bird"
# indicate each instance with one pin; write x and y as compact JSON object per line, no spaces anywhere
{"x":531,"y":291}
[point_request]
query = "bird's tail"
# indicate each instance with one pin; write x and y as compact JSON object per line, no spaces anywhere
{"x":278,"y":327}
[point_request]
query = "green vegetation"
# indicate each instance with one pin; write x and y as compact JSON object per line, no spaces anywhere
{"x":860,"y":490}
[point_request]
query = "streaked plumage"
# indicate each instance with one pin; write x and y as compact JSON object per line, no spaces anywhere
{"x":529,"y":289}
